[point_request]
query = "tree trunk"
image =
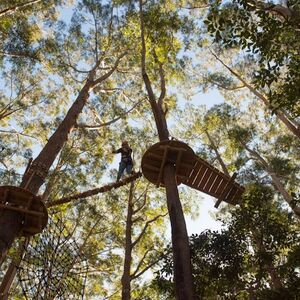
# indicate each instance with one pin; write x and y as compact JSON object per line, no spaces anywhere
{"x":126,"y":278}
{"x":15,"y":8}
{"x":10,"y":221}
{"x":184,"y":288}
{"x":219,"y":158}
{"x":276,"y":282}
{"x":292,"y":126}
{"x":276,"y":181}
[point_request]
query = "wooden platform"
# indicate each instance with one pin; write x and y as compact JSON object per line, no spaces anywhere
{"x":210,"y":180}
{"x":22,"y":201}
{"x":172,"y":152}
{"x":191,"y":170}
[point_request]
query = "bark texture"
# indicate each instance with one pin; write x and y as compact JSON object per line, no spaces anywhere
{"x":126,"y":278}
{"x":184,"y":288}
{"x":181,"y":251}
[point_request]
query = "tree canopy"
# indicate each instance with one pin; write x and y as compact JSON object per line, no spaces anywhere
{"x":79,"y":77}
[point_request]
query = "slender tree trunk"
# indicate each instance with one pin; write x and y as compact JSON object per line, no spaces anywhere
{"x":181,"y":250}
{"x":13,"y":9}
{"x":11,"y":222}
{"x":126,"y":278}
{"x":184,"y":288}
{"x":276,"y":181}
{"x":291,"y":125}
{"x":219,"y":158}
{"x":275,"y":279}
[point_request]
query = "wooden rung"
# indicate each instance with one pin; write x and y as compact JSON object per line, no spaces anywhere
{"x":230,"y":192}
{"x":205,"y":177}
{"x":239,"y":191}
{"x":199,"y":175}
{"x":216,"y":184}
{"x":200,"y":182}
{"x":210,"y":181}
{"x":194,"y":171}
{"x":23,"y":210}
{"x":221,"y":187}
{"x":238,"y":194}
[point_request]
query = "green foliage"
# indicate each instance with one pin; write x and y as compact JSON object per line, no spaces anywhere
{"x":236,"y":262}
{"x":272,"y":39}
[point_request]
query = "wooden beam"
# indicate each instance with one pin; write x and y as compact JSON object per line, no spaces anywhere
{"x":226,"y":190}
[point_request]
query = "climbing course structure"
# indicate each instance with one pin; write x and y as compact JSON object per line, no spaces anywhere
{"x":32,"y":281}
{"x":53,"y":265}
{"x":103,"y":189}
{"x":30,"y":206}
{"x":191,"y":170}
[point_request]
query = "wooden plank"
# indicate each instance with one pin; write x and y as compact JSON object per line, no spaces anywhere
{"x":206,"y":176}
{"x":155,"y":155}
{"x":226,"y":190}
{"x":221,"y":187}
{"x":198,"y":176}
{"x":172,"y":148}
{"x":216,"y":184}
{"x":194,"y":171}
{"x":150,"y":167}
{"x":22,"y":210}
{"x":231,"y":194}
{"x":210,"y":181}
{"x":239,"y":193}
{"x":201,"y":174}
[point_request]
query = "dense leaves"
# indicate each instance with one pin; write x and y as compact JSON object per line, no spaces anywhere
{"x":270,"y":33}
{"x":245,"y":52}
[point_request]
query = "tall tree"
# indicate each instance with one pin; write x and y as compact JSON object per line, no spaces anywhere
{"x":11,"y":222}
{"x":184,"y":288}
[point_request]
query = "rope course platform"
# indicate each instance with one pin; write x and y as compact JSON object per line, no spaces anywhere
{"x":172,"y":152}
{"x":96,"y":191}
{"x":29,"y":205}
{"x":190,"y":170}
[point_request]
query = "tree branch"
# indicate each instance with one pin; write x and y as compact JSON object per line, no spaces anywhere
{"x":13,"y":9}
{"x":134,"y":276}
{"x":93,"y":127}
{"x":145,"y":228}
{"x":292,"y":125}
{"x":162,"y":81}
{"x":107,"y":75}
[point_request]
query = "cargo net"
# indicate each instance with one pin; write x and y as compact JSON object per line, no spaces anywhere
{"x":53,"y":266}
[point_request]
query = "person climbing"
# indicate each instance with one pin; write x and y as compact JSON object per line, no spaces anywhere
{"x":126,"y":160}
